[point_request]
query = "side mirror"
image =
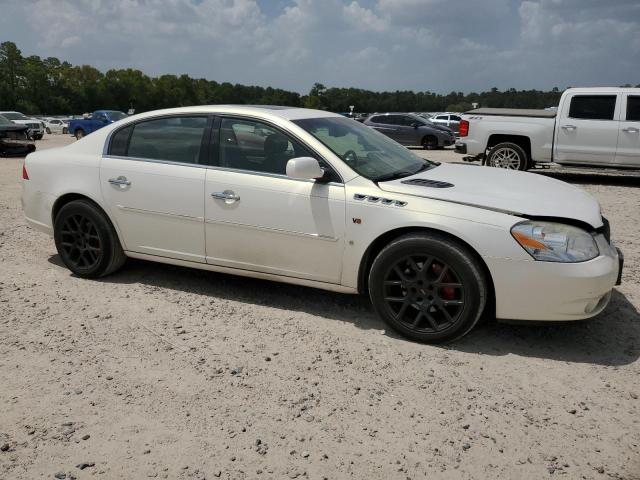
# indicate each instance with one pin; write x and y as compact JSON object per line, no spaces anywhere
{"x":306,"y":168}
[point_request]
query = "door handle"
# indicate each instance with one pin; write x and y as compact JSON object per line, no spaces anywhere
{"x":569,"y":127}
{"x":228,"y":196}
{"x":630,"y":130}
{"x":122,"y":181}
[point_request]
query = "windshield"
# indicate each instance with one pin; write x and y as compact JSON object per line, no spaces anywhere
{"x":115,"y":115}
{"x":14,"y":116}
{"x":5,"y":121}
{"x":368,"y":152}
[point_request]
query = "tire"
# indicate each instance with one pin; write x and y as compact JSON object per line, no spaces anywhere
{"x":508,"y":155}
{"x":79,"y":133}
{"x":432,"y":305}
{"x":86,"y":240}
{"x":48,"y":131}
{"x":65,"y":130}
{"x":429,"y":142}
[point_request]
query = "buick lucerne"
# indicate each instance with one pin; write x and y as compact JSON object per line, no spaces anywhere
{"x":312,"y":198}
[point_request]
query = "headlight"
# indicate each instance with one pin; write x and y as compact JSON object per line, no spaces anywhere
{"x":555,"y":242}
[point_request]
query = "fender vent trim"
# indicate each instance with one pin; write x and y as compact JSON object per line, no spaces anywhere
{"x":383,"y":201}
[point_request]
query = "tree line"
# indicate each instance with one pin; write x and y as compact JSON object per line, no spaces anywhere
{"x":49,"y":86}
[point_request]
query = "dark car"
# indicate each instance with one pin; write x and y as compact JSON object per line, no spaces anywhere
{"x":411,"y":130}
{"x":14,"y":139}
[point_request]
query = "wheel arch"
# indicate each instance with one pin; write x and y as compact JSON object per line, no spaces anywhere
{"x":521,"y":140}
{"x":384,"y":239}
{"x":66,"y":198}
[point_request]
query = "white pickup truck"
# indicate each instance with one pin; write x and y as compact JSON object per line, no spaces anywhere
{"x":597,"y":127}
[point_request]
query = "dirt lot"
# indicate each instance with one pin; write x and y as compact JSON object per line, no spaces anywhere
{"x":161,"y":371}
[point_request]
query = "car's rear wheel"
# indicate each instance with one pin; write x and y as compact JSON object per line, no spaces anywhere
{"x":86,"y":240}
{"x":428,"y":287}
{"x":508,"y":155}
{"x":48,"y":131}
{"x":429,"y":142}
{"x":79,"y":134}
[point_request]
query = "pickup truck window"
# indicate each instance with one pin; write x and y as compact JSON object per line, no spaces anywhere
{"x":633,"y":108}
{"x":592,"y":107}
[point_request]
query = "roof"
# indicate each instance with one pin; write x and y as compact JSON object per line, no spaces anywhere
{"x":288,"y":113}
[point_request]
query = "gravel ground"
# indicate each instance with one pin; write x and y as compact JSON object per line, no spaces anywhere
{"x":161,"y":371}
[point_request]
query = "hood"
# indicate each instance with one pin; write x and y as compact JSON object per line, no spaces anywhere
{"x":520,"y":193}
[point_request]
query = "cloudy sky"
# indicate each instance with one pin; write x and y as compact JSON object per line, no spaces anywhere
{"x":436,"y":45}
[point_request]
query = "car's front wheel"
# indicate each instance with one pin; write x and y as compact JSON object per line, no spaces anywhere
{"x":86,"y":240}
{"x":428,"y":287}
{"x":429,"y":142}
{"x":64,"y":130}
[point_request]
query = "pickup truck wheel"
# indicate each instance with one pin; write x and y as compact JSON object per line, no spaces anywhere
{"x":428,"y":287}
{"x":429,"y":142}
{"x":79,"y":134}
{"x":86,"y":240}
{"x":508,"y":155}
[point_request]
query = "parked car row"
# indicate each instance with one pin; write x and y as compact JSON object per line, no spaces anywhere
{"x":35,"y":127}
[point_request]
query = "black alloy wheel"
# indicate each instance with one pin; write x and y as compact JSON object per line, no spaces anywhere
{"x":423,"y":293}
{"x":428,"y":286}
{"x":80,"y":242}
{"x":86,"y":240}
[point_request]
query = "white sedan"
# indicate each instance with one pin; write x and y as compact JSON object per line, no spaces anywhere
{"x":316,"y":199}
{"x":55,"y":125}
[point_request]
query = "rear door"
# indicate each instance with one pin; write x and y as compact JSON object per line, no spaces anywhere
{"x":628,"y":151}
{"x":587,"y":129}
{"x":152,"y":181}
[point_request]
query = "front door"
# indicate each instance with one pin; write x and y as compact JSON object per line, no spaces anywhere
{"x":258,"y":219}
{"x":628,"y":151}
{"x":152,"y":181}
{"x":587,"y":129}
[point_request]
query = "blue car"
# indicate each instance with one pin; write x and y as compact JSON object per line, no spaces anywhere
{"x":99,"y":119}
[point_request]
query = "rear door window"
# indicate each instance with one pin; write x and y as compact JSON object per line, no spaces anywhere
{"x":633,"y":108}
{"x":592,"y":107}
{"x":174,"y":139}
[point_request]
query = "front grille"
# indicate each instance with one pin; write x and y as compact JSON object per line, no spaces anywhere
{"x":33,"y":126}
